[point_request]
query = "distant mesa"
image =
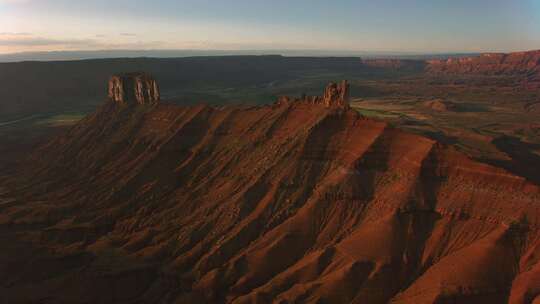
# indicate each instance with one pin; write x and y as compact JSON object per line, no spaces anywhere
{"x":384,"y":63}
{"x":489,"y":64}
{"x":523,"y":65}
{"x":395,"y":64}
{"x":336,"y":95}
{"x":133,"y":88}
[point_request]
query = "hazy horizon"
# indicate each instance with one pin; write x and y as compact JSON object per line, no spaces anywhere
{"x":419,"y":26}
{"x":112,"y":54}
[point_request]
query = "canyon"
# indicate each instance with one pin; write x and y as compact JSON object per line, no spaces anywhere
{"x":304,"y":200}
{"x":251,"y":79}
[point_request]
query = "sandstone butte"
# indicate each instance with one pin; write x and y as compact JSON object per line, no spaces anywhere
{"x":302,"y":201}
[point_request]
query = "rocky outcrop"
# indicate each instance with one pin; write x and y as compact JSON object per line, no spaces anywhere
{"x":336,"y":95}
{"x":133,"y":88}
{"x":440,"y":105}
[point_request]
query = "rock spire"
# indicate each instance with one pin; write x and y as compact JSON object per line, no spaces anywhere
{"x":133,"y":88}
{"x":336,"y":95}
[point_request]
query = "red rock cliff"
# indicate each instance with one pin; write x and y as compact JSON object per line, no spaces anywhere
{"x":337,"y":94}
{"x":489,"y":64}
{"x":133,"y":88}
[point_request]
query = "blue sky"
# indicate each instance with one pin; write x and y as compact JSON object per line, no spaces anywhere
{"x":398,"y":26}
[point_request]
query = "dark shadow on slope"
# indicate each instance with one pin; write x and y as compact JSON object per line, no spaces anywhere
{"x":524,"y":162}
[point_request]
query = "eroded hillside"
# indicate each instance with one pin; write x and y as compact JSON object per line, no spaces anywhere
{"x":302,"y":201}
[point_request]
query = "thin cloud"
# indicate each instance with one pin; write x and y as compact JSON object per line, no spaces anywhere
{"x":17,"y":44}
{"x":13,"y":1}
{"x":128,"y":34}
{"x":38,"y":41}
{"x":15,"y":34}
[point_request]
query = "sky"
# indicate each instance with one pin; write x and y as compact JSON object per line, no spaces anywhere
{"x":416,"y":26}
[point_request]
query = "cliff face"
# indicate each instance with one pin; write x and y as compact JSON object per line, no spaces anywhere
{"x":337,"y":95}
{"x":295,"y":202}
{"x":489,"y":64}
{"x":524,"y":65}
{"x":133,"y":88}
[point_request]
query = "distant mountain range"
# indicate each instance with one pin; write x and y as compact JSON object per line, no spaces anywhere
{"x":80,"y":55}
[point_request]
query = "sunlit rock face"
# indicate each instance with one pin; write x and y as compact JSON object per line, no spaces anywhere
{"x":489,"y":64}
{"x":133,"y":88}
{"x":337,"y":94}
